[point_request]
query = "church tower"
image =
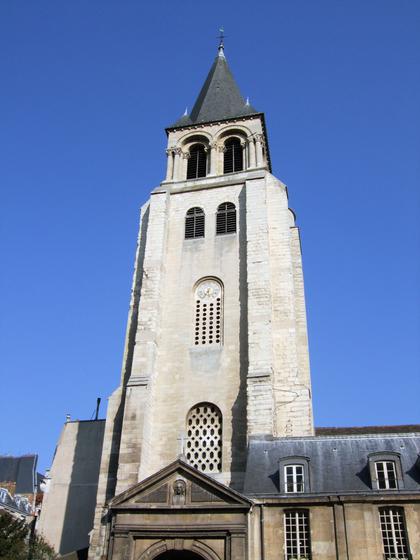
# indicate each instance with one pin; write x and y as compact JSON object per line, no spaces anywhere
{"x":216,"y":348}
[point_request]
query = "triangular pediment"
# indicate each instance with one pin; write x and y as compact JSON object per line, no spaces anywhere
{"x":179,"y":485}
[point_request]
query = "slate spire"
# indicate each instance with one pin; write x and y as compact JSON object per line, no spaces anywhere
{"x":219,"y":98}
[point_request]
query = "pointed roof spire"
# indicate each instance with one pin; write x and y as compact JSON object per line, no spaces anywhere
{"x":219,"y":98}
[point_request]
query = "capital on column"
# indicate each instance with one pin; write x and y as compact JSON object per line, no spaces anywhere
{"x":170,"y":164}
{"x":251,"y":152}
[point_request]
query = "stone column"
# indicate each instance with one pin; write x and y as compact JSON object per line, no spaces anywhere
{"x":182,"y":169}
{"x":251,"y":153}
{"x":244,"y":154}
{"x":170,"y":164}
{"x":258,"y":149}
{"x":213,"y":158}
{"x":177,"y":152}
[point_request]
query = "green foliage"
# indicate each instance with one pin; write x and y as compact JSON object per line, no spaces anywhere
{"x":16,"y":542}
{"x":41,"y":550}
{"x":13,"y":535}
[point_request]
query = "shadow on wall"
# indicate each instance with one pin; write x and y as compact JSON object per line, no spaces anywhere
{"x":239,"y":416}
{"x":81,"y":497}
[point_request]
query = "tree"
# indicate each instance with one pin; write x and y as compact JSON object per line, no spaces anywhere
{"x":16,"y":543}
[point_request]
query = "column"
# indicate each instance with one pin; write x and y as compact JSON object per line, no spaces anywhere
{"x":170,"y":164}
{"x":251,"y":152}
{"x":244,"y":154}
{"x":258,"y":149}
{"x":213,"y":158}
{"x":177,"y":152}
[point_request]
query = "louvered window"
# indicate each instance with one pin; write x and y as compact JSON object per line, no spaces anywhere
{"x":297,"y":536}
{"x":194,"y":223}
{"x":226,"y":218}
{"x":233,"y":160}
{"x":197,"y":162}
{"x":394,"y":535}
{"x":204,"y":438}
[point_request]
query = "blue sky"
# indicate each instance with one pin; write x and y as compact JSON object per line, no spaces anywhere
{"x":87,"y":90}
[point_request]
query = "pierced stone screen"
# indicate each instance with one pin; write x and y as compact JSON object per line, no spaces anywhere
{"x":204,"y":438}
{"x":208,"y":313}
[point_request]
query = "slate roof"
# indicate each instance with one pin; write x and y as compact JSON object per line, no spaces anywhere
{"x":21,"y":470}
{"x":336,"y":464}
{"x":219,"y":98}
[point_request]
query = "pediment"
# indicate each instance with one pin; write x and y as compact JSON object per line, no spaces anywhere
{"x":179,"y":485}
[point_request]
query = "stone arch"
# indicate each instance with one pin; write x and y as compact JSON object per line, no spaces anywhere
{"x":197,"y":549}
{"x":193,"y":138}
{"x":233,"y":130}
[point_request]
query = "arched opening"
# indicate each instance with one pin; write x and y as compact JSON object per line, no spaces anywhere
{"x":179,"y":555}
{"x":233,"y":160}
{"x":204,"y":437}
{"x":194,"y":223}
{"x":197,"y":162}
{"x":226,"y":218}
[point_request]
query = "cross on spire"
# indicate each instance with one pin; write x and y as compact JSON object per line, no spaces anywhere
{"x":221,"y":41}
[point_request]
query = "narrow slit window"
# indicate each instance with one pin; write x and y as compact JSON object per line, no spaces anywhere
{"x":386,"y":475}
{"x":204,"y":438}
{"x":194,"y":223}
{"x":208,"y":313}
{"x":294,"y":479}
{"x":233,"y":156}
{"x":226,"y":218}
{"x":297,"y":536}
{"x":394,"y":534}
{"x":197,"y":162}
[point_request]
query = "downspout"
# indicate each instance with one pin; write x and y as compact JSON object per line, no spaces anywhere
{"x":340,"y":501}
{"x":262,"y":532}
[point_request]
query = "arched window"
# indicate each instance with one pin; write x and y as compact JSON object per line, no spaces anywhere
{"x":226,"y":218}
{"x":204,"y":437}
{"x":194,"y":223}
{"x":233,"y":160}
{"x":208,"y":313}
{"x":197,"y":162}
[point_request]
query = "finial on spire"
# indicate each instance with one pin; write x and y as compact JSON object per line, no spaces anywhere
{"x":185,"y":112}
{"x":247,"y":102}
{"x":222,"y":42}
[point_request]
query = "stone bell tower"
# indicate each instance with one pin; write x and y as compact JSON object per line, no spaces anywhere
{"x":216,"y":348}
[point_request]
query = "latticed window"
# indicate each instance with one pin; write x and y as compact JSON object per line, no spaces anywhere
{"x":194,"y":223}
{"x":386,"y":475}
{"x":197,"y":162}
{"x":208,"y":313}
{"x":233,"y":160}
{"x":297,"y":536}
{"x":293,"y":478}
{"x":226,"y":218}
{"x":394,"y":535}
{"x":204,"y":438}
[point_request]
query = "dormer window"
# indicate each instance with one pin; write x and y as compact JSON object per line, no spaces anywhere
{"x":386,"y":475}
{"x":385,"y":471}
{"x":233,"y":158}
{"x":294,"y":475}
{"x":294,"y":479}
{"x":197,"y":162}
